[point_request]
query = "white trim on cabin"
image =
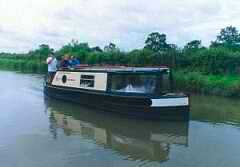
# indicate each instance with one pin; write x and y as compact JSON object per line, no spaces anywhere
{"x":170,"y":102}
{"x":74,"y":78}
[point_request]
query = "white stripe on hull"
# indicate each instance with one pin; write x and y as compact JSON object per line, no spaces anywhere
{"x":170,"y":102}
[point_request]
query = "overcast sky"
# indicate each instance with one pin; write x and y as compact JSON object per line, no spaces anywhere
{"x":25,"y":24}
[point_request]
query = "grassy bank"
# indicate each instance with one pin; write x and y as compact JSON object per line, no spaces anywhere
{"x":192,"y":82}
{"x":23,"y":65}
{"x":196,"y":82}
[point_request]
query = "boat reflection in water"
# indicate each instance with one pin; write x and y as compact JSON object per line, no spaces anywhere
{"x":136,"y":139}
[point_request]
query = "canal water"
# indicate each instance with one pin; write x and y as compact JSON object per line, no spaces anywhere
{"x":37,"y":132}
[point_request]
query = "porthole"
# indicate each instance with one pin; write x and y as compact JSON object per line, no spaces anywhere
{"x":64,"y":79}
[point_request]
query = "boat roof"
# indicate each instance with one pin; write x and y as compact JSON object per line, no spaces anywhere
{"x":119,"y":69}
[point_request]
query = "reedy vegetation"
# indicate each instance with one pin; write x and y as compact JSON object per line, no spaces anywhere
{"x":214,"y":69}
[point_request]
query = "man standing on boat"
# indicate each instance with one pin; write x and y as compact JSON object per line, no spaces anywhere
{"x":52,"y":66}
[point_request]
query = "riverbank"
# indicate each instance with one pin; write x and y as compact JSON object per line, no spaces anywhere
{"x":191,"y":82}
{"x":197,"y":82}
{"x":23,"y":65}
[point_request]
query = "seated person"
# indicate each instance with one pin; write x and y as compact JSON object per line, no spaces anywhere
{"x":74,"y":62}
{"x":65,"y":63}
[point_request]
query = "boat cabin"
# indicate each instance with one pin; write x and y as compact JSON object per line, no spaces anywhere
{"x":127,"y":80}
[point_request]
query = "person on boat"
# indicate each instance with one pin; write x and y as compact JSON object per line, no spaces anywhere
{"x":52,"y":66}
{"x":74,"y":62}
{"x":65,"y":63}
{"x":59,"y":59}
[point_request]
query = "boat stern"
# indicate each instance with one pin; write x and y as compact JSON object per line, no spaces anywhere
{"x":172,"y":107}
{"x":171,"y":101}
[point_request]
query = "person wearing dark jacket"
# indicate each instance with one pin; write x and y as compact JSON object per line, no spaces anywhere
{"x":65,"y":63}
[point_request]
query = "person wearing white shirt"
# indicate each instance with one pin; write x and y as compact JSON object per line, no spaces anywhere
{"x":52,"y":66}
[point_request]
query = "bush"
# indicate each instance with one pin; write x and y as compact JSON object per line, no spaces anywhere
{"x":207,"y":84}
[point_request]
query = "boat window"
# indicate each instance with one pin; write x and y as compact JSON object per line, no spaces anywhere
{"x":87,"y":81}
{"x":134,"y":83}
{"x":87,"y":77}
{"x":164,"y":84}
{"x":141,"y":83}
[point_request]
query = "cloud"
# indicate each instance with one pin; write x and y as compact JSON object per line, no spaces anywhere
{"x":25,"y":24}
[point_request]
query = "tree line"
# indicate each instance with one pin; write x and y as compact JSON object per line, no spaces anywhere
{"x":221,"y":57}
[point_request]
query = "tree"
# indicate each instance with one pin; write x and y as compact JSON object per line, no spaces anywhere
{"x":96,"y":49}
{"x":75,"y":48}
{"x":195,"y":44}
{"x":45,"y":50}
{"x":111,"y":48}
{"x":140,"y":57}
{"x":156,"y":42}
{"x":42,"y":52}
{"x":229,"y":37}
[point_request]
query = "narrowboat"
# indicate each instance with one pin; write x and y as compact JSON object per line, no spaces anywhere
{"x":135,"y":91}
